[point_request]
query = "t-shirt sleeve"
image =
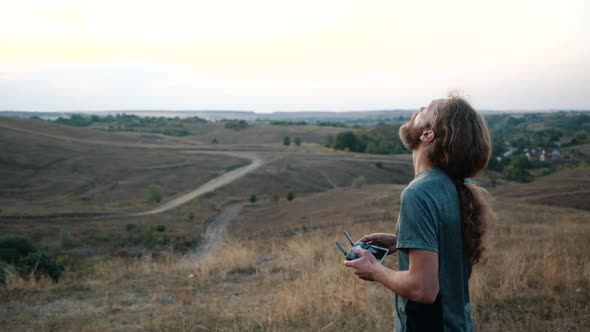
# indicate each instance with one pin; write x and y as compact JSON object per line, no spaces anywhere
{"x":417,"y":227}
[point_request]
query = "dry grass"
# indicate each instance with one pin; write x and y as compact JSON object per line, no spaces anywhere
{"x":535,"y":278}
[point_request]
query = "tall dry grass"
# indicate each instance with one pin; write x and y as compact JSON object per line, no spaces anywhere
{"x":535,"y":277}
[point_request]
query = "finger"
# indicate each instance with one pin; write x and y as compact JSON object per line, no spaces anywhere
{"x":360,"y":252}
{"x":349,"y":263}
{"x":357,"y":250}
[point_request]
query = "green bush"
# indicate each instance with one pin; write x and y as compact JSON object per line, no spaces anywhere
{"x":359,"y":181}
{"x":160,"y":228}
{"x":154,"y":193}
{"x":288,"y":123}
{"x":130,"y":227}
{"x":236,"y":124}
{"x":77,"y":120}
{"x":298,"y":141}
{"x":149,"y":234}
{"x":13,"y":248}
{"x":37,"y":265}
{"x":287,"y":140}
{"x":517,"y":169}
{"x":290,"y":196}
{"x":253,"y":199}
{"x":3,"y":267}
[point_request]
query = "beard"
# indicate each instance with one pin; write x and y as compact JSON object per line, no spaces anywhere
{"x":410,"y":135}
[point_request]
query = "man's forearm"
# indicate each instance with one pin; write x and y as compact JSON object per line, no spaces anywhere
{"x":405,"y":284}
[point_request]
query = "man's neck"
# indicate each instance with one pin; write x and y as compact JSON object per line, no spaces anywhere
{"x":421,"y":162}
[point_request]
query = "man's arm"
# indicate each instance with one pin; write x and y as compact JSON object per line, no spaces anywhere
{"x":419,"y":283}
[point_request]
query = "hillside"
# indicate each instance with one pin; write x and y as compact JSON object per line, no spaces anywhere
{"x":48,"y":169}
{"x":222,"y":262}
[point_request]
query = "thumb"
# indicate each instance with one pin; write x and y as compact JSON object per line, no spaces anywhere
{"x":359,"y":251}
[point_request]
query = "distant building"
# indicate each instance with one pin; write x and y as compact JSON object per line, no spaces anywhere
{"x":543,"y":154}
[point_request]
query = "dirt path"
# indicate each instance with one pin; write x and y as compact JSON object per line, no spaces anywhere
{"x":217,"y":182}
{"x":217,"y":228}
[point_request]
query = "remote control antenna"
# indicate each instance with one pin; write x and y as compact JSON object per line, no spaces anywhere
{"x":349,"y":238}
{"x":341,"y":248}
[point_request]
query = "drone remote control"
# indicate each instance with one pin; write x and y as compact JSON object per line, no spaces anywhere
{"x":377,"y":251}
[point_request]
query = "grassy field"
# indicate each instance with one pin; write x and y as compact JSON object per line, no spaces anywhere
{"x":534,"y":278}
{"x":275,"y":267}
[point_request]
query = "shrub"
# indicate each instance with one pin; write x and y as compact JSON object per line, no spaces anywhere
{"x":379,"y":164}
{"x":160,"y":228}
{"x":150,"y":234}
{"x":517,"y":174}
{"x":2,"y":273}
{"x":298,"y":141}
{"x":359,"y":181}
{"x":12,"y":248}
{"x":290,"y":196}
{"x":236,"y":124}
{"x":39,"y":264}
{"x":66,"y":241}
{"x":287,"y":140}
{"x":130,"y":227}
{"x":154,"y":193}
{"x":253,"y":199}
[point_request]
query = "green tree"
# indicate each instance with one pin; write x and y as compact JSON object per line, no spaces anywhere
{"x":13,"y":248}
{"x":236,"y":124}
{"x":253,"y":199}
{"x":348,"y":140}
{"x":298,"y":141}
{"x":517,"y":169}
{"x":287,"y":140}
{"x":290,"y":196}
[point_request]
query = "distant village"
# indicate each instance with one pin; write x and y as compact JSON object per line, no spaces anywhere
{"x":539,"y":153}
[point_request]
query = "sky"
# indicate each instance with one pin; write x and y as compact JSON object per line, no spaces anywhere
{"x":304,"y":55}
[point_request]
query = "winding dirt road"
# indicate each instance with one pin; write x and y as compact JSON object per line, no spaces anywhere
{"x":216,"y":183}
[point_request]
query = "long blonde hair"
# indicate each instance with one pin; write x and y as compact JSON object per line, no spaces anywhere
{"x":462,"y":148}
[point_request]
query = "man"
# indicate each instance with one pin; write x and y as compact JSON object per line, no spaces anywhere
{"x":441,"y":221}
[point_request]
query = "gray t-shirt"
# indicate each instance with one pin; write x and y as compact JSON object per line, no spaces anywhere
{"x":430,"y":219}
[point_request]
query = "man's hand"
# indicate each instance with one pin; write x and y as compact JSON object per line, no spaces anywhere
{"x":364,"y":267}
{"x":389,"y":241}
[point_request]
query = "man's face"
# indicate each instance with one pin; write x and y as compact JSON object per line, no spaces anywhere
{"x":410,"y":132}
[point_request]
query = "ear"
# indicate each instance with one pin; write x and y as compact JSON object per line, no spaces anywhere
{"x":427,"y":136}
